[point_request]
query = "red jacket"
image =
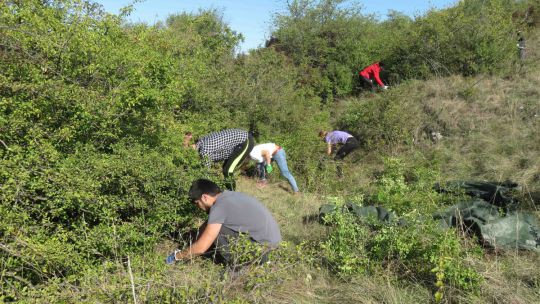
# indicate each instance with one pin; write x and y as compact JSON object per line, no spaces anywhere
{"x":372,"y":71}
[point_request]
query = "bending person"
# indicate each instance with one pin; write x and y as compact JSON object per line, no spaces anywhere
{"x":333,"y":138}
{"x":263,"y":155}
{"x":230,"y":145}
{"x":229,"y":215}
{"x":372,"y":72}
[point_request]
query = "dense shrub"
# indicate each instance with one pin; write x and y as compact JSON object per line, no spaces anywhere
{"x":469,"y":38}
{"x":326,"y":39}
{"x":92,"y":117}
{"x":332,"y":40}
{"x":384,"y":122}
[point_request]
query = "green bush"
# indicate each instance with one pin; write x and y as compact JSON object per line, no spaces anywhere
{"x":92,"y":114}
{"x":326,"y":39}
{"x":421,"y":248}
{"x":344,"y":248}
{"x":333,"y":41}
{"x":91,"y":206}
{"x":469,"y":38}
{"x":383,"y":123}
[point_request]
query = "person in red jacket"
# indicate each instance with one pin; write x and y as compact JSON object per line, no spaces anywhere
{"x":370,"y":72}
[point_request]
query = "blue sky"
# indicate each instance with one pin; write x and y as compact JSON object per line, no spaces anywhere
{"x":253,"y":18}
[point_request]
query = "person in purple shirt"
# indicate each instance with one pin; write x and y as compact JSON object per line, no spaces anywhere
{"x":333,"y":138}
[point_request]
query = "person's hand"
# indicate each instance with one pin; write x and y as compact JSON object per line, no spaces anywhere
{"x":385,"y":88}
{"x":269,"y":168}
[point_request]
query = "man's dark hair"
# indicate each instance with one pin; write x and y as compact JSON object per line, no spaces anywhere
{"x":381,"y":64}
{"x":203,"y":186}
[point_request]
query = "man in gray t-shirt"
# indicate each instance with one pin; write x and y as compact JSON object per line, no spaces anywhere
{"x":245,"y":214}
{"x":230,"y":213}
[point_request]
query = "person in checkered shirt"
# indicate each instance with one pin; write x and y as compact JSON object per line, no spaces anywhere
{"x":230,"y":145}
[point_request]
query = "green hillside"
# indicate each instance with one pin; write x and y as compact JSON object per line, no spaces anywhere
{"x":94,"y":177}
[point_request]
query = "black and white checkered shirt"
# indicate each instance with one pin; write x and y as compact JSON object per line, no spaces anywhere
{"x":218,"y":146}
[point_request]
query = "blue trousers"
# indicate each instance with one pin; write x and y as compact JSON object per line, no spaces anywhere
{"x":281,"y":160}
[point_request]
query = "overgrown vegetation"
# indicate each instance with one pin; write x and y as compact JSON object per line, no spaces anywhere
{"x":93,"y":174}
{"x":413,"y":246}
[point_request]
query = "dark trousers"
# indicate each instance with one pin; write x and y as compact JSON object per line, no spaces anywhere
{"x":261,"y":171}
{"x":229,"y":239}
{"x":350,"y":145}
{"x":221,"y":250}
{"x":240,"y":153}
{"x":367,"y":83}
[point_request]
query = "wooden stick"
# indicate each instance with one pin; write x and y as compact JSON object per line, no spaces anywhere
{"x":132,"y":281}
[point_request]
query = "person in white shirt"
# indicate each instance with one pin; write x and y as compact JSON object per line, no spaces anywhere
{"x":263,"y":154}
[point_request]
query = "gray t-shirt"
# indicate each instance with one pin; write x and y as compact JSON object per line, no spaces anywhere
{"x":243,"y":213}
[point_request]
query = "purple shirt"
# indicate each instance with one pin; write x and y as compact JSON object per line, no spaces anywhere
{"x":337,"y":137}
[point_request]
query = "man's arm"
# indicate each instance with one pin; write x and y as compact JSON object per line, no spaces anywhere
{"x":200,"y":246}
{"x":205,"y":156}
{"x":329,"y":149}
{"x":377,"y":78}
{"x":267,"y":156}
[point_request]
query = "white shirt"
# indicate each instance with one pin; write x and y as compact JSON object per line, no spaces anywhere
{"x":256,"y":153}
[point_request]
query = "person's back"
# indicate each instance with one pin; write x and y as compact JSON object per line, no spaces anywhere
{"x":245,"y":214}
{"x":337,"y":137}
{"x":220,"y":145}
{"x":373,"y":72}
{"x":229,"y":145}
{"x":257,"y":152}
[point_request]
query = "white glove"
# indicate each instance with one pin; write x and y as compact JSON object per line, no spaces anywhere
{"x":385,"y":87}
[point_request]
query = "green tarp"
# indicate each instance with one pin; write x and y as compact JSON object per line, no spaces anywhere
{"x":493,"y":228}
{"x":491,"y":214}
{"x":496,"y":193}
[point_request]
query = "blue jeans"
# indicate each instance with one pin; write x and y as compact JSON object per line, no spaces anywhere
{"x":281,"y":161}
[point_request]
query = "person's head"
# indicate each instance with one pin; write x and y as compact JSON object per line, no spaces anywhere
{"x":381,"y":65}
{"x":203,"y":193}
{"x":187,"y":139}
{"x":322,"y":134}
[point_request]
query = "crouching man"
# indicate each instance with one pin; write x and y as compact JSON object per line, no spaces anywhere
{"x":229,"y":215}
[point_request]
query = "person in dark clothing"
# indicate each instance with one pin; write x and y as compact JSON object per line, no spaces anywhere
{"x":230,"y":215}
{"x":372,"y":72}
{"x":230,"y":145}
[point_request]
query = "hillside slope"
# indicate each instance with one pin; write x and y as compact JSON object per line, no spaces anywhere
{"x":489,"y":128}
{"x":488,"y":125}
{"x":93,"y":177}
